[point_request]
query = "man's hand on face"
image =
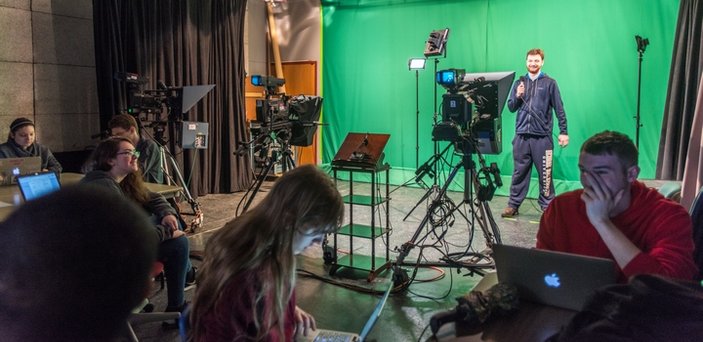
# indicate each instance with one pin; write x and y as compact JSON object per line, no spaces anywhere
{"x":598,"y":199}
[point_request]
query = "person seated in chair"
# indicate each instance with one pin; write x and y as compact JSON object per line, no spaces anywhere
{"x":247,"y":278}
{"x":21,"y":143}
{"x":116,"y":169}
{"x":150,"y":160}
{"x":73,"y":264}
{"x":617,"y":217}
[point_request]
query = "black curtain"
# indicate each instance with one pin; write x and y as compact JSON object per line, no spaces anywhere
{"x":182,"y":43}
{"x":684,"y":78}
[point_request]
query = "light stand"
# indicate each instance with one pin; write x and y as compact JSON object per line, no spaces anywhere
{"x":641,"y":47}
{"x":417,"y":64}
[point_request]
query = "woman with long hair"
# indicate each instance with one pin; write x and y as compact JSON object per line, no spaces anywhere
{"x":21,"y":142}
{"x":116,"y":168}
{"x":247,"y":278}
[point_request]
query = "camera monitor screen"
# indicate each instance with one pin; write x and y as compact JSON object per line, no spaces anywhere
{"x":449,"y":78}
{"x":488,"y":90}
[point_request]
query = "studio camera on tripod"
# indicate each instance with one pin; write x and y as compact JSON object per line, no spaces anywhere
{"x":281,"y":122}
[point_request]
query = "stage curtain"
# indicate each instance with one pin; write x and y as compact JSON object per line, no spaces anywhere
{"x":182,"y":43}
{"x":693,"y":172}
{"x":590,"y":50}
{"x":684,"y":77}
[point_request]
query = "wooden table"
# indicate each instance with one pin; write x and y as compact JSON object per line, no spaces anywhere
{"x":532,"y":322}
{"x":11,"y":197}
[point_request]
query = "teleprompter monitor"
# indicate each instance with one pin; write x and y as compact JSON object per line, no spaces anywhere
{"x":488,"y":90}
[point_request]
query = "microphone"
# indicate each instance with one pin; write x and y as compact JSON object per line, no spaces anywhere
{"x":476,"y":307}
{"x":161,"y":85}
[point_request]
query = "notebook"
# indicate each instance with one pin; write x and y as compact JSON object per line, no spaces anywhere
{"x":38,"y":184}
{"x":10,"y":168}
{"x":322,"y":335}
{"x":554,"y":278}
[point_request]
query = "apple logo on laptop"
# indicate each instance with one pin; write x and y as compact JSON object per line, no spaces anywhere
{"x":552,"y":280}
{"x":16,"y":171}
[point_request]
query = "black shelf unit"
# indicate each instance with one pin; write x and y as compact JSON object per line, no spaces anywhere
{"x":354,"y":230}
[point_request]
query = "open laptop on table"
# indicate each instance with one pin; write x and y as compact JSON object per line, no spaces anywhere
{"x":553,"y":278}
{"x":10,"y":168}
{"x":322,"y":335}
{"x":38,"y":184}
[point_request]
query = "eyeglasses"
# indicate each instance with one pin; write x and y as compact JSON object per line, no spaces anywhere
{"x":134,"y":154}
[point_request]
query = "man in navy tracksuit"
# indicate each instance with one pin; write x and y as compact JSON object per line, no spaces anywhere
{"x":534,"y":96}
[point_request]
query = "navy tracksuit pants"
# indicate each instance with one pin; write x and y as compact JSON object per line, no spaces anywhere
{"x":531,"y":150}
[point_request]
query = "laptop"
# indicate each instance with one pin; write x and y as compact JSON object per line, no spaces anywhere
{"x":38,"y":184}
{"x":10,"y":168}
{"x":322,"y":335}
{"x":553,"y":278}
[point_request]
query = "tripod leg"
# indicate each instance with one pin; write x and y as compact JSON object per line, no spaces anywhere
{"x":259,"y":181}
{"x":197,"y":222}
{"x":422,"y":199}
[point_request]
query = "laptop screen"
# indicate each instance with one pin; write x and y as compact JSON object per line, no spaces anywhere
{"x":375,"y":314}
{"x":38,"y":184}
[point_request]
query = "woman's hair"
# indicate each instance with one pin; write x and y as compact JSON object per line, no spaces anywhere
{"x":132,"y":185}
{"x":17,"y":124}
{"x":260,"y":242}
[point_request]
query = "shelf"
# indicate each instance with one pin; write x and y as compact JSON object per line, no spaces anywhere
{"x":362,"y":230}
{"x":362,"y":262}
{"x":363,"y":200}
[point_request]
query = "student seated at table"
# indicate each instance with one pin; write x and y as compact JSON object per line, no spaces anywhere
{"x":21,"y":143}
{"x":116,"y":169}
{"x":247,"y":278}
{"x":124,"y":125}
{"x":617,"y":217}
{"x":73,"y":264}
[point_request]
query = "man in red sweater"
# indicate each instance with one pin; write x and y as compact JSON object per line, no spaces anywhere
{"x":617,"y":217}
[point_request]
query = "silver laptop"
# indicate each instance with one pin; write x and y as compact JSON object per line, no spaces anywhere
{"x":38,"y":184}
{"x":10,"y":168}
{"x":322,"y":335}
{"x":554,"y":278}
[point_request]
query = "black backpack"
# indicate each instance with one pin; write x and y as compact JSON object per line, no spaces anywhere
{"x":649,"y":308}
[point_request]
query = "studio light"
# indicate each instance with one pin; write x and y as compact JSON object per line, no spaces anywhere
{"x":416,"y":63}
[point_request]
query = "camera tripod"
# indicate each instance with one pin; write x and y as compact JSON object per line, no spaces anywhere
{"x":168,"y":162}
{"x":430,"y":167}
{"x":480,"y":212}
{"x":281,"y":154}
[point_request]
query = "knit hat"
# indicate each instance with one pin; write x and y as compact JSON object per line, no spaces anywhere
{"x":20,"y":122}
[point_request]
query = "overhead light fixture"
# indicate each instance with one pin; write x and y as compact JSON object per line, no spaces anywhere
{"x":416,"y":63}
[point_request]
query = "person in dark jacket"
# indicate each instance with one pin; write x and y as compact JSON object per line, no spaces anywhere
{"x":534,"y":97}
{"x":117,"y":169}
{"x":21,"y":143}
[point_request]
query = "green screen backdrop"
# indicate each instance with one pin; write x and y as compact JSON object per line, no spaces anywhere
{"x":589,"y":48}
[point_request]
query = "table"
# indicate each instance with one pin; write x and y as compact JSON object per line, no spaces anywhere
{"x":532,"y":322}
{"x":11,"y":197}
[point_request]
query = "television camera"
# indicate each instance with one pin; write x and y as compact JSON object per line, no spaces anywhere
{"x":281,"y":122}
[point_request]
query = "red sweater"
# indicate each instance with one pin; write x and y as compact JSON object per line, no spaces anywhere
{"x":236,"y":302}
{"x":660,"y":228}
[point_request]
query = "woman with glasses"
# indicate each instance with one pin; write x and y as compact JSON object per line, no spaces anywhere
{"x":247,"y":279}
{"x":21,"y":142}
{"x":117,"y":168}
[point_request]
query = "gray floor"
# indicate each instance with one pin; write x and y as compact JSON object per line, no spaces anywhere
{"x":345,"y":300}
{"x":346,"y":304}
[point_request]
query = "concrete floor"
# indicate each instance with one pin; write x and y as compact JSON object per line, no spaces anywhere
{"x":347,"y":305}
{"x":345,"y":300}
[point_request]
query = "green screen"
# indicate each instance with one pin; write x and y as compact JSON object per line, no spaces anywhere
{"x":589,"y":48}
